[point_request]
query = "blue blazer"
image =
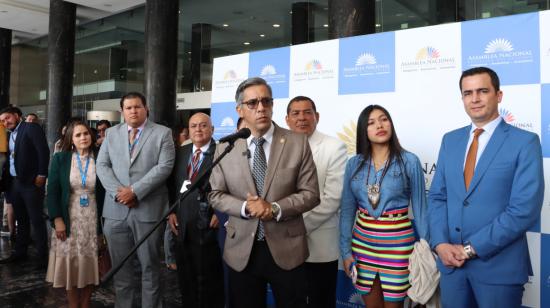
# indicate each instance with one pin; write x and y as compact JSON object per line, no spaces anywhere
{"x":504,"y":200}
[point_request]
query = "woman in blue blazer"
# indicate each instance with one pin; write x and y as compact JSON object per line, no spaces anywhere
{"x":75,"y":200}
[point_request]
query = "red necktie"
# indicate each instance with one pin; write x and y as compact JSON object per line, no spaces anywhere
{"x":193,"y":167}
{"x":471,"y":158}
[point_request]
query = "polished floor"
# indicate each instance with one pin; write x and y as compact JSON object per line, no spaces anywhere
{"x":23,"y":286}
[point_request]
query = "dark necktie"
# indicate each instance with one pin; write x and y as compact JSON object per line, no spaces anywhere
{"x":193,"y":167}
{"x":259,"y":167}
{"x":470,"y":165}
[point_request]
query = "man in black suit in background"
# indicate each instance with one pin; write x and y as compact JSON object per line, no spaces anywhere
{"x":198,"y":257}
{"x":25,"y":173}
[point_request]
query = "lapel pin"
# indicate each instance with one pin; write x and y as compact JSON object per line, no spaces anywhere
{"x":282,"y":140}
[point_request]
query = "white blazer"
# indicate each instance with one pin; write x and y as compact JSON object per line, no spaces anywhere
{"x":330,"y":156}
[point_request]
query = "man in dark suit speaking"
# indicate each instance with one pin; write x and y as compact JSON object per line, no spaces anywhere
{"x":25,"y":176}
{"x":200,"y":270}
{"x":264,"y":185}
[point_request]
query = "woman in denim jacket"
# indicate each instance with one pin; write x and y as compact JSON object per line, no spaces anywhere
{"x":376,"y":234}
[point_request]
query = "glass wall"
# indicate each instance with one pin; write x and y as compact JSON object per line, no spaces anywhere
{"x":110,"y":51}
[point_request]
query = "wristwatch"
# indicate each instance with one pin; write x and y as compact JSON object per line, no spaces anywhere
{"x":469,"y":250}
{"x":275,"y":210}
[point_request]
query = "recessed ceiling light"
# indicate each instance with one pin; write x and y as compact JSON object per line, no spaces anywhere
{"x":262,"y":35}
{"x":276,"y":25}
{"x":189,"y":52}
{"x":225,"y":25}
{"x":378,"y":25}
{"x":246,"y":43}
{"x":325,"y":25}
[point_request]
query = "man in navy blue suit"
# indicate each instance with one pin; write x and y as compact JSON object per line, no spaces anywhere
{"x":26,"y":173}
{"x":486,"y":193}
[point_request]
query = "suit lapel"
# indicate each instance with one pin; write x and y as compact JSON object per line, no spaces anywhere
{"x":123,"y":137}
{"x":147,"y":131}
{"x":492,"y":148}
{"x":184,"y":162}
{"x":19,"y":137}
{"x":458,"y":157}
{"x":277,"y":146}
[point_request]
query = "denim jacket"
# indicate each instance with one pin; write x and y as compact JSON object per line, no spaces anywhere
{"x":402,"y":185}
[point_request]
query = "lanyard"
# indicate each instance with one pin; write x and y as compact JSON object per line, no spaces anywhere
{"x":83,"y":173}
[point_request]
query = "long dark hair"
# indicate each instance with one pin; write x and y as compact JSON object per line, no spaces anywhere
{"x":68,"y":138}
{"x":363,"y":144}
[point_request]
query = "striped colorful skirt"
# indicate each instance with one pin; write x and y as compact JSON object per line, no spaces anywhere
{"x":382,"y":247}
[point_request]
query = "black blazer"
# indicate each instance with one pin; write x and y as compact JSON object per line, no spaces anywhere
{"x":32,"y":154}
{"x":193,"y":224}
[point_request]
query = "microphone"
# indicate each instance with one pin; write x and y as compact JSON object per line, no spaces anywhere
{"x":243,"y":133}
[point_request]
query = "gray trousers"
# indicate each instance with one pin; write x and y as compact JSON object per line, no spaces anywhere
{"x":121,"y":236}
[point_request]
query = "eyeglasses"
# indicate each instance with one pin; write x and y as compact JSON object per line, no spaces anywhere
{"x":253,"y":103}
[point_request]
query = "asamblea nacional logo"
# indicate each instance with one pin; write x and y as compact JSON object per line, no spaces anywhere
{"x":509,"y":118}
{"x":354,"y":301}
{"x":314,"y":70}
{"x":230,"y":80}
{"x":500,"y":51}
{"x":227,"y":121}
{"x":271,"y":75}
{"x":428,"y":58}
{"x":366,"y":64}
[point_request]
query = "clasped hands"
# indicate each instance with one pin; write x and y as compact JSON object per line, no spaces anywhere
{"x":452,"y":255}
{"x":258,"y":207}
{"x":174,"y":225}
{"x":126,"y":196}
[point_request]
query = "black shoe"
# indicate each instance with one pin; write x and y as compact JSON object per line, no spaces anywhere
{"x":13,"y":259}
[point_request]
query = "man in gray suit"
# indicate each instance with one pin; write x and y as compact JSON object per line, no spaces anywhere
{"x":134,"y":161}
{"x":330,"y":158}
{"x":265,"y":184}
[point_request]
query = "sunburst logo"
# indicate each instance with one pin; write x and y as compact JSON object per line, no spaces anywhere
{"x":427,"y":53}
{"x":364,"y":59}
{"x":268,"y":70}
{"x":506,"y":115}
{"x":314,"y":65}
{"x":499,"y":45}
{"x":227,"y":121}
{"x":230,"y":75}
{"x":348,"y":136}
{"x":355,"y":298}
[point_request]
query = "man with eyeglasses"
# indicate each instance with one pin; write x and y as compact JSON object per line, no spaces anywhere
{"x":198,"y":257}
{"x":265,"y":185}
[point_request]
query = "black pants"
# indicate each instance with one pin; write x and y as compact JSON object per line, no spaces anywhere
{"x":321,"y":284}
{"x":28,"y":209}
{"x":247,"y":289}
{"x":200,"y":274}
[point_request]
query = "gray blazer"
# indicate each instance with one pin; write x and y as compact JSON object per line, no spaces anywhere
{"x":147,"y":172}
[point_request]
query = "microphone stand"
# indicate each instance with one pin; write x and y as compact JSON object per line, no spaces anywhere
{"x":181,"y":197}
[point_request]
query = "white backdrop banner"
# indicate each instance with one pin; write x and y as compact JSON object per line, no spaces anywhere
{"x":414,"y":74}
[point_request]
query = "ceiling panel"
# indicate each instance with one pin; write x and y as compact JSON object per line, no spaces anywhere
{"x":29,"y":19}
{"x":112,"y":6}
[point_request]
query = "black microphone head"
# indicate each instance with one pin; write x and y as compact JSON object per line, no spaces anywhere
{"x":244,"y":132}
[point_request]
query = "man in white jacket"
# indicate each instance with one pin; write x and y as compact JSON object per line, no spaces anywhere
{"x":330,"y":157}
